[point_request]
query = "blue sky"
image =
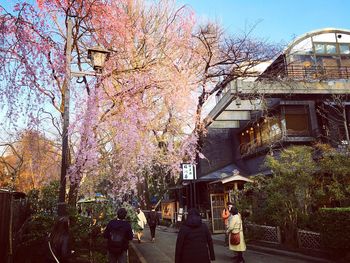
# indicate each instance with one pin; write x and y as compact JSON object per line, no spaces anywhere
{"x":278,"y":20}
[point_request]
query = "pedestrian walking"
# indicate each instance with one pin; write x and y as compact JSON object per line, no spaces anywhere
{"x":194,"y":242}
{"x":59,"y":241}
{"x":225,"y":216}
{"x":118,"y":233}
{"x":153,"y":221}
{"x":236,"y":228}
{"x":141,"y":222}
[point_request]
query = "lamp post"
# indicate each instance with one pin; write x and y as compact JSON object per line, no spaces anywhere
{"x":98,"y":56}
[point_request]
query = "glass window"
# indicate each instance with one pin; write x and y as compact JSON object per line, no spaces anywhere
{"x":297,"y":120}
{"x":251,"y":135}
{"x":319,"y":48}
{"x":257,"y":135}
{"x":276,"y":131}
{"x":265,"y":131}
{"x":344,"y":49}
{"x":331,"y":49}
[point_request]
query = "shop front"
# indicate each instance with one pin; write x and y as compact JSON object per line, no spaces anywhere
{"x":221,"y":191}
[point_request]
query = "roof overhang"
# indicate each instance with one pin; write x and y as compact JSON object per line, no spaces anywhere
{"x":243,"y":97}
{"x":232,"y":179}
{"x":220,"y":173}
{"x":230,"y":110}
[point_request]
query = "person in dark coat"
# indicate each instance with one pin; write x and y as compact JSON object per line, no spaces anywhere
{"x":153,"y":221}
{"x":59,"y":241}
{"x":118,"y":252}
{"x":194,"y":242}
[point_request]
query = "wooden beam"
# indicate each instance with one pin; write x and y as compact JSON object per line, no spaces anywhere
{"x":224,"y":124}
{"x":231,"y":115}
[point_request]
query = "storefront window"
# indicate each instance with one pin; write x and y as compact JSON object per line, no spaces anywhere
{"x":265,"y":138}
{"x":275,"y":127}
{"x":257,"y":135}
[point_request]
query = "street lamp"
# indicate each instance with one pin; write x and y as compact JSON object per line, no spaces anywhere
{"x":98,"y":56}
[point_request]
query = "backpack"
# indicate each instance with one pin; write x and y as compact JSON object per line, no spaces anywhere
{"x":116,"y":240}
{"x":153,"y":218}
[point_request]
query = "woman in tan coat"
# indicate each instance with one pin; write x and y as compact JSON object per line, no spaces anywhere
{"x":236,"y":226}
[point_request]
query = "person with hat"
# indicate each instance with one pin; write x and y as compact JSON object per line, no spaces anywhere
{"x":225,"y":216}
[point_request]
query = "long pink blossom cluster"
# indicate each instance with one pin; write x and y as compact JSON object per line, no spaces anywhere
{"x":140,"y":109}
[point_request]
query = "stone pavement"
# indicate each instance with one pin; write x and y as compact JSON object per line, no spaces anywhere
{"x":163,"y":250}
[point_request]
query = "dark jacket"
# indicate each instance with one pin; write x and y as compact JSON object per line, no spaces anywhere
{"x":194,"y":242}
{"x":152,"y":218}
{"x":122,"y":226}
{"x":61,"y":249}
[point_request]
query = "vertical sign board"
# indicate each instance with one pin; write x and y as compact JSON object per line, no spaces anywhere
{"x":179,"y":215}
{"x":188,"y":171}
{"x":189,"y":174}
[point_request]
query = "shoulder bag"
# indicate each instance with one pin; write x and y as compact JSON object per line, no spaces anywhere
{"x":235,"y":238}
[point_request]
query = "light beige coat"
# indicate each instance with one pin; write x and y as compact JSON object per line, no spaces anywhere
{"x":141,"y":219}
{"x":235,"y":225}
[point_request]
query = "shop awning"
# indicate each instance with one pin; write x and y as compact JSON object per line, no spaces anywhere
{"x":233,"y":178}
{"x":220,"y":173}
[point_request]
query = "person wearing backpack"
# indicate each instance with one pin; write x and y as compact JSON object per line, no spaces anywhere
{"x":118,"y":233}
{"x":153,"y":221}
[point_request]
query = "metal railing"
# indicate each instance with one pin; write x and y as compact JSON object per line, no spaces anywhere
{"x":318,"y":72}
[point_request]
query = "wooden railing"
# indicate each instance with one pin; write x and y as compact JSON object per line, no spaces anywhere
{"x":252,"y":146}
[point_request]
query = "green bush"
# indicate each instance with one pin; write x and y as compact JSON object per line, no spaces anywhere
{"x":335,"y":228}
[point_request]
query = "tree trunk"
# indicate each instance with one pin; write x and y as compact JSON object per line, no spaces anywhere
{"x":290,"y":235}
{"x":73,"y":195}
{"x":199,"y":129}
{"x":147,"y":195}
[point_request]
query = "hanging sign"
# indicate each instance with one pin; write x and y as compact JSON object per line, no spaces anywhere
{"x":188,"y":171}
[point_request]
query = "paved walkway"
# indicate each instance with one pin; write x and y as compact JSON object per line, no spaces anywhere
{"x":163,"y":250}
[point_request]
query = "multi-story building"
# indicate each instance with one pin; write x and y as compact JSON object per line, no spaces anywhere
{"x":300,"y":98}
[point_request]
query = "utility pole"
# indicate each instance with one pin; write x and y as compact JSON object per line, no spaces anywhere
{"x":61,"y":209}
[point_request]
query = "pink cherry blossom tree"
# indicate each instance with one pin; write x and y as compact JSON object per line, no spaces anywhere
{"x":143,"y":97}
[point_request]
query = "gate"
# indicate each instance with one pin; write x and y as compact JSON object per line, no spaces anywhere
{"x":217,"y":202}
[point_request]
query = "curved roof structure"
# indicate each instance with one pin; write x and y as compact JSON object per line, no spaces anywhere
{"x":319,"y":54}
{"x":330,"y":35}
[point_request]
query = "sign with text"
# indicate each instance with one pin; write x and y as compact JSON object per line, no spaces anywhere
{"x":188,"y":171}
{"x":179,"y":214}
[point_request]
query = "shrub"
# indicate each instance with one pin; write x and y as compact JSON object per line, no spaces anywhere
{"x":335,"y":229}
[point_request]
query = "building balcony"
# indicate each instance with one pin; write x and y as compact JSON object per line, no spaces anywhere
{"x":317,"y":72}
{"x":274,"y":141}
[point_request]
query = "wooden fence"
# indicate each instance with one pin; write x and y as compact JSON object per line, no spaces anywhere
{"x":13,"y":212}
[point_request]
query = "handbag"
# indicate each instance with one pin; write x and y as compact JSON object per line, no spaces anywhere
{"x":235,"y":239}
